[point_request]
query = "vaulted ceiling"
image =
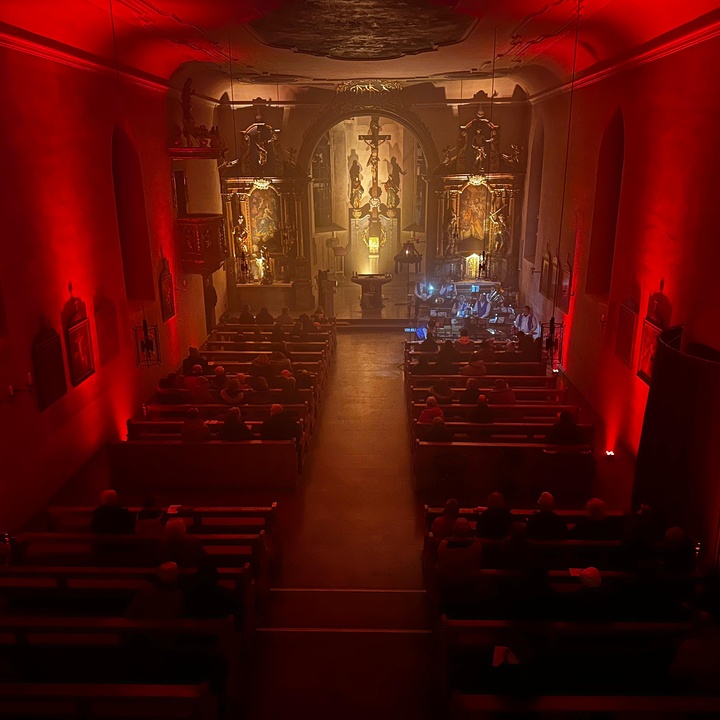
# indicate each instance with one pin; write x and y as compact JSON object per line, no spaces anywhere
{"x":531,"y":42}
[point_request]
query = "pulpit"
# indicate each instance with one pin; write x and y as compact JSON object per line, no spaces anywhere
{"x":203,"y":247}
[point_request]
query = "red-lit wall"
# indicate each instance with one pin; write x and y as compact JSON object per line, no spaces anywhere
{"x":668,"y":218}
{"x":57,"y":226}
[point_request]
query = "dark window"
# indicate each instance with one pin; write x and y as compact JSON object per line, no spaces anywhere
{"x":132,"y":219}
{"x":607,"y":206}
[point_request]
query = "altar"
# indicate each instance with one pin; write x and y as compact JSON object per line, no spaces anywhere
{"x":371,"y":285}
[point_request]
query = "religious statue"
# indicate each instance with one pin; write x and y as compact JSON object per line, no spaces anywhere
{"x":356,"y":189}
{"x":188,"y":128}
{"x":450,"y":234}
{"x":502,"y":234}
{"x":392,"y":186}
{"x":480,"y":133}
{"x":513,"y":157}
{"x":260,"y":139}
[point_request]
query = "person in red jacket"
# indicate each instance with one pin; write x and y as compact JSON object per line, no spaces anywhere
{"x":430,"y":411}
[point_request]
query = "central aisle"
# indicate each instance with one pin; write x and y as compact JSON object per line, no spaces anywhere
{"x":346,"y":633}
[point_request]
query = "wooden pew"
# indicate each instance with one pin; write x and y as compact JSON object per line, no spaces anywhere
{"x":227,"y":550}
{"x":264,"y":346}
{"x":501,"y":369}
{"x":519,"y":412}
{"x":218,"y":356}
{"x":167,"y":465}
{"x":198,"y":519}
{"x":155,"y":411}
{"x":475,"y":469}
{"x":522,"y":395}
{"x":477,"y":707}
{"x":95,"y":701}
{"x":486,"y":381}
{"x":498,"y":432}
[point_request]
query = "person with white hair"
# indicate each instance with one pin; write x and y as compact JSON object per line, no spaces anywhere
{"x":596,"y":525}
{"x":280,"y":425}
{"x":161,"y":599}
{"x":546,"y":524}
{"x":110,"y":518}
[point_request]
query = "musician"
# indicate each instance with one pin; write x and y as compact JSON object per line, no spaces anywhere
{"x":447,"y":289}
{"x":526,"y":322}
{"x":423,"y":292}
{"x":461,"y":307}
{"x":482,"y":307}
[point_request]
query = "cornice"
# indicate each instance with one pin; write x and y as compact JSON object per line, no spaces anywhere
{"x":45,"y":49}
{"x":655,"y":50}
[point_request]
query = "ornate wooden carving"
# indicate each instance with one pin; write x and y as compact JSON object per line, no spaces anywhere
{"x":203,"y":246}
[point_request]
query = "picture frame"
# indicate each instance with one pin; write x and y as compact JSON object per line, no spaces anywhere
{"x":648,"y":345}
{"x":626,"y":331}
{"x":545,"y":274}
{"x":565,"y":289}
{"x":80,"y":352}
{"x":553,"y":279}
{"x":167,"y":292}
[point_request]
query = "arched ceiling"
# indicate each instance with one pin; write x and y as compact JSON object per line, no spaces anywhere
{"x":331,"y":40}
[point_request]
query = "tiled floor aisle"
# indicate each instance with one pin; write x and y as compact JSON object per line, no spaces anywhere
{"x":351,"y":654}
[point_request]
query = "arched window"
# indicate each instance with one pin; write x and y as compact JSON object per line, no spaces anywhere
{"x":607,"y":206}
{"x":132,"y":218}
{"x":532,"y":216}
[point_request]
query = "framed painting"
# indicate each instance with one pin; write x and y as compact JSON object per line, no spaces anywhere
{"x":554,"y":278}
{"x":80,"y":352}
{"x":48,"y":367}
{"x":167,"y":292}
{"x":565,"y":289}
{"x":626,"y":329}
{"x":545,"y":274}
{"x":648,"y":345}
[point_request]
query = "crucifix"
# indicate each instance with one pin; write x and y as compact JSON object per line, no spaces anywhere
{"x":374,"y":140}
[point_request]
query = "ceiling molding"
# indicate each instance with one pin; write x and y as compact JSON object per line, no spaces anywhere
{"x":64,"y":55}
{"x":654,"y":50}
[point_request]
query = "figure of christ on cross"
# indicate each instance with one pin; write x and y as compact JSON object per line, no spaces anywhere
{"x":374,"y":140}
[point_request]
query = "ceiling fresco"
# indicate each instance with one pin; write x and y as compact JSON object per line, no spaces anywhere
{"x":367,"y":30}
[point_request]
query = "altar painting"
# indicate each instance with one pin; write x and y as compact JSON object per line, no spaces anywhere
{"x":265,"y":219}
{"x":474,"y":203}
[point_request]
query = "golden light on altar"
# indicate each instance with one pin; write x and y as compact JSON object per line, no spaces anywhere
{"x":472,"y":266}
{"x":476,"y":180}
{"x":261,"y":184}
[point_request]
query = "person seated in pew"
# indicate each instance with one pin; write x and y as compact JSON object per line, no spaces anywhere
{"x":459,"y":555}
{"x":471,"y":393}
{"x":284,"y":318}
{"x":593,"y":602}
{"x":421,"y":367}
{"x":596,"y":526}
{"x":304,"y":379}
{"x":260,"y":393}
{"x":198,"y":387}
{"x":260,"y":367}
{"x":280,"y":425}
{"x":109,"y":518}
{"x":206,"y":598}
{"x":464,"y":344}
{"x":442,"y":526}
{"x":246,"y":317}
{"x":530,"y":348}
{"x":428,"y":344}
{"x":239,"y":341}
{"x":475,"y":367}
{"x":306,"y":322}
{"x":298,"y":333}
{"x":516,"y":553}
{"x":482,"y":413}
{"x":289,"y":394}
{"x":438,"y":432}
{"x":486,"y":351}
{"x":161,"y":599}
{"x":278,"y":334}
{"x":179,"y":547}
{"x":445,"y":359}
{"x":168,"y":393}
{"x":494,"y":522}
{"x":219,"y":379}
{"x":264,"y":317}
{"x":565,"y":431}
{"x":232,"y":393}
{"x":234,"y":429}
{"x":194,"y":358}
{"x":501,"y":394}
{"x":430,"y":411}
{"x":150,"y":520}
{"x":319,"y":315}
{"x":279,"y":362}
{"x":194,"y":428}
{"x":697,"y":661}
{"x":677,"y":552}
{"x":442,"y":392}
{"x":546,"y":524}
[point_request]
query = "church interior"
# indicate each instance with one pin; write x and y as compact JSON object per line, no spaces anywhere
{"x":359,"y":359}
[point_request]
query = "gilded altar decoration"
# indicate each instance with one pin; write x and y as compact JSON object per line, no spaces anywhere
{"x":264,"y":217}
{"x":368,"y":86}
{"x":195,"y":135}
{"x":260,"y":156}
